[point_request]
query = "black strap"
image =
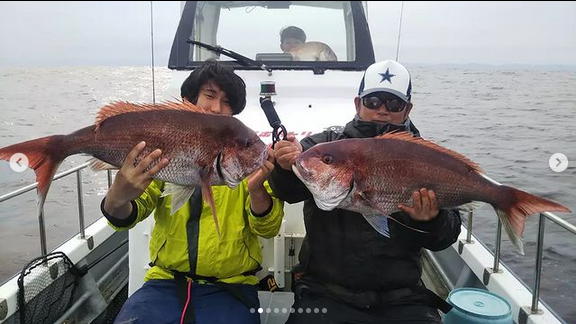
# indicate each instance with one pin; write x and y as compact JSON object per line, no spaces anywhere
{"x":182,"y":289}
{"x":192,"y":231}
{"x":234,"y":290}
{"x":197,"y":277}
{"x":364,"y":299}
{"x":435,"y":300}
{"x":193,"y":228}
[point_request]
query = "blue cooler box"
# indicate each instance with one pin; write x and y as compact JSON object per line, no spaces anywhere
{"x":477,"y":306}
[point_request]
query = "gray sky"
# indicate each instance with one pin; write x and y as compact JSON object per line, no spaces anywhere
{"x":477,"y":32}
{"x":118,"y":33}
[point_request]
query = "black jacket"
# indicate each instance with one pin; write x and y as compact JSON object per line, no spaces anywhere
{"x":342,"y":249}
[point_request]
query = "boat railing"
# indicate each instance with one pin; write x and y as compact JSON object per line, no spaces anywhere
{"x":79,"y":185}
{"x":539,"y":249}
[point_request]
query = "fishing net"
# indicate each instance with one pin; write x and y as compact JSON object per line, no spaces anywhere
{"x":46,"y":286}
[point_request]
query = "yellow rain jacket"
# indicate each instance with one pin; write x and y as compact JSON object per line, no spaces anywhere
{"x":236,"y":252}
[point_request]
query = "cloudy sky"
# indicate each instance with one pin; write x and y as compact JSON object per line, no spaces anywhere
{"x":118,"y":33}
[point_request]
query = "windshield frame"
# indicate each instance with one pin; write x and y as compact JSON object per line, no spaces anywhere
{"x":364,"y":55}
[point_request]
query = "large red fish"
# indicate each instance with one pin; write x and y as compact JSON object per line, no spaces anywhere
{"x":202,"y":149}
{"x":372,"y":176}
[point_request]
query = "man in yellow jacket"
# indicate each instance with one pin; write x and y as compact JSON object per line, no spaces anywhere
{"x":195,"y":276}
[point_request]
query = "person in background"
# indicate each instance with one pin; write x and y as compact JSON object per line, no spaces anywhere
{"x":347,"y":269}
{"x":291,"y":36}
{"x":293,"y":41}
{"x":196,"y":277}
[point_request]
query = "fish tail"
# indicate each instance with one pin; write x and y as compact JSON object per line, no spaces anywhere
{"x":515,"y":205}
{"x":44,"y":156}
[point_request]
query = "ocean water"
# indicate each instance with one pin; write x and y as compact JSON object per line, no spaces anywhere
{"x":508,"y":121}
{"x":39,"y":102}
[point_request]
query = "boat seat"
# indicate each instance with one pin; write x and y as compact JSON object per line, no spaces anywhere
{"x":275,"y":306}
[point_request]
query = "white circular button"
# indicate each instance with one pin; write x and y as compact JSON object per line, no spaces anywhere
{"x":558,"y":162}
{"x":19,"y":162}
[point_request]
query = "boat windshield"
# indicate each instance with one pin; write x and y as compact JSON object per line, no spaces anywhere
{"x":330,"y":34}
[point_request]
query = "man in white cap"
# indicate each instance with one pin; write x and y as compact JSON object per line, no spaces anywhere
{"x":348,"y":271}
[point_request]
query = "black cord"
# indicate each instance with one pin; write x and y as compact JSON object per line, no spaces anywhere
{"x":278,"y":131}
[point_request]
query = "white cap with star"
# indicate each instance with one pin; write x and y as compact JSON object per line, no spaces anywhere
{"x":387,"y":76}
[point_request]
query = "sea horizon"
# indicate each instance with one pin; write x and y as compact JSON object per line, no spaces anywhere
{"x":474,"y":66}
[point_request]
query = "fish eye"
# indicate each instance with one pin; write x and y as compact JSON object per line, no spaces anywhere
{"x":247,"y":142}
{"x":327,"y":159}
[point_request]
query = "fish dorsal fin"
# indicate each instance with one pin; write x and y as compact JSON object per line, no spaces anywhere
{"x":407,"y":137}
{"x":122,"y":107}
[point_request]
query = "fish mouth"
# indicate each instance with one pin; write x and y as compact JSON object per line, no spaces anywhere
{"x":300,"y":171}
{"x":296,"y":172}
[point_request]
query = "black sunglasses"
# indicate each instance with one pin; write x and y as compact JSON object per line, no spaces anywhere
{"x":392,"y":105}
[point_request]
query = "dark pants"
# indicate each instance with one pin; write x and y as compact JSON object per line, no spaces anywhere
{"x":312,"y":308}
{"x":157,"y":302}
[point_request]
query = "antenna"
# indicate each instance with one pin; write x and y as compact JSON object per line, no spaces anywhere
{"x":399,"y":31}
{"x":152,"y":50}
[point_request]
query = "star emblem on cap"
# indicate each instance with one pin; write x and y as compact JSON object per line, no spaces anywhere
{"x":386,"y":76}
